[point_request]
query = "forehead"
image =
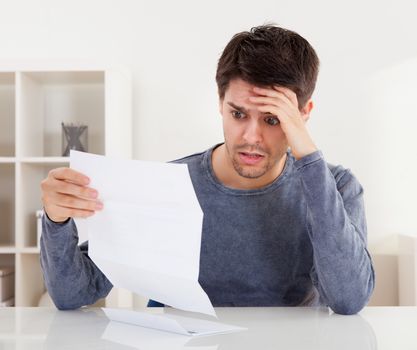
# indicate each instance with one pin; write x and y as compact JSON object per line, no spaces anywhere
{"x":239,"y":90}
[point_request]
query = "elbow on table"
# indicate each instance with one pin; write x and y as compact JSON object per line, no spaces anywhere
{"x":68,"y":296}
{"x":353,"y":304}
{"x":62,"y":298}
{"x":356,"y":298}
{"x":64,"y":306}
{"x":62,"y":303}
{"x":350,"y":308}
{"x":74,"y":299}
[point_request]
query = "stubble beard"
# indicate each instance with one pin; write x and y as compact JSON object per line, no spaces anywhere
{"x":248,"y":172}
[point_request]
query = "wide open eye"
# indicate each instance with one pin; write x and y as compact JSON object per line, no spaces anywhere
{"x":237,"y":114}
{"x":272,"y":120}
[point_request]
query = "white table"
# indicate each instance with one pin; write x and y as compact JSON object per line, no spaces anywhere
{"x":268,"y":328}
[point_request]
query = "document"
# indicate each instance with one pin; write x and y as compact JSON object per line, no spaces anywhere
{"x":170,"y":323}
{"x":147,"y":238}
{"x":141,"y":338}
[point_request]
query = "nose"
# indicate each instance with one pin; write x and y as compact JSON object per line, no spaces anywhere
{"x":253,"y":133}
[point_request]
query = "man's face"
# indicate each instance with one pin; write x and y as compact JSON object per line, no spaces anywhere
{"x":254,"y":140}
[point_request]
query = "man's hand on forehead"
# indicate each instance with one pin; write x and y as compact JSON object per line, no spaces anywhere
{"x":282,"y":102}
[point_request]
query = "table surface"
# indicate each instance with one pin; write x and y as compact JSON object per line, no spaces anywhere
{"x":268,"y":328}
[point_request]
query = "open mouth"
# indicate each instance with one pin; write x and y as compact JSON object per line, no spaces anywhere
{"x":250,"y":158}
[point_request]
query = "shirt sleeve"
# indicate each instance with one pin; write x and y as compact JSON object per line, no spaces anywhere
{"x":71,"y":277}
{"x":342,"y":270}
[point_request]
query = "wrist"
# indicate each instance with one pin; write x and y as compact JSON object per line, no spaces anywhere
{"x":301,"y":154}
{"x":56,"y":220}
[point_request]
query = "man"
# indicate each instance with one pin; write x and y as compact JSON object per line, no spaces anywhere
{"x":281,"y":226}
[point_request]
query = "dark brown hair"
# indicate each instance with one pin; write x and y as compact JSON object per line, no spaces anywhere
{"x":268,"y":55}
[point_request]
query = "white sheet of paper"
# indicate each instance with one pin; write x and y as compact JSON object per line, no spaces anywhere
{"x":147,"y":238}
{"x":144,"y":338}
{"x":170,"y":323}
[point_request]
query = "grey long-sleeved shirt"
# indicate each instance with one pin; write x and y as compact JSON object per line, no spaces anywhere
{"x":299,"y":241}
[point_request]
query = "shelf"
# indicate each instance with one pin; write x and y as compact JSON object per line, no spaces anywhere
{"x":7,"y":160}
{"x":7,"y":204}
{"x":29,"y":250}
{"x":35,"y":98}
{"x":46,"y":160}
{"x":46,"y":99}
{"x":39,"y":160}
{"x":7,"y":249}
{"x":7,"y":113}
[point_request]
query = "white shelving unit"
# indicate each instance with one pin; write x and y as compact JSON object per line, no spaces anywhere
{"x":407,"y":270}
{"x":34,"y":100}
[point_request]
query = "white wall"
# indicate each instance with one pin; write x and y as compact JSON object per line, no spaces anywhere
{"x":365,"y":116}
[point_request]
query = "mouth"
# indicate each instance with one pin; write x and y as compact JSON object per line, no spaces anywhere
{"x":251,"y":158}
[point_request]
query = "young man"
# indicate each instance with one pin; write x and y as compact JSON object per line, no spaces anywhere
{"x":281,"y":226}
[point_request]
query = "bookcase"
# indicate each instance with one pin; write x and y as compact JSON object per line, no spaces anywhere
{"x":34,"y":100}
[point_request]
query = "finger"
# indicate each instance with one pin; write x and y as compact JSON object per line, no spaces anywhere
{"x":266,"y":92}
{"x":278,"y":92}
{"x":57,"y":210}
{"x":291,"y":95}
{"x":64,"y":187}
{"x":278,"y":101}
{"x":271,"y":105}
{"x":76,"y":203}
{"x":69,"y":174}
{"x":281,"y":114}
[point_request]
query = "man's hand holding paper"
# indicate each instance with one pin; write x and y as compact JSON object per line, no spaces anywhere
{"x":66,"y":194}
{"x":147,"y":237}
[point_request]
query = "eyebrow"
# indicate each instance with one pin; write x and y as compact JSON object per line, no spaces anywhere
{"x":239,"y":108}
{"x":246,"y":111}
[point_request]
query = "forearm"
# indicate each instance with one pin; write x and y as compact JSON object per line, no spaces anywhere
{"x":343,"y":271}
{"x":71,"y":278}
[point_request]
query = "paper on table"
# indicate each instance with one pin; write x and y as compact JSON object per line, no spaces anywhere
{"x":145,"y":338}
{"x":170,"y":323}
{"x":147,"y":237}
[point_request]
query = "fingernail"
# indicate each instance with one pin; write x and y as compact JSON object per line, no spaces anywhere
{"x":93,"y":194}
{"x":99,"y":205}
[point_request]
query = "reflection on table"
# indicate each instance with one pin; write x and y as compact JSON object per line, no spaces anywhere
{"x":268,"y":328}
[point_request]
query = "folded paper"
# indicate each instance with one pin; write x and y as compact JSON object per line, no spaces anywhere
{"x":170,"y":323}
{"x":147,"y":237}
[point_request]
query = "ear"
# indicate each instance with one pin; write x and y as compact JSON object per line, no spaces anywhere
{"x":305,"y":111}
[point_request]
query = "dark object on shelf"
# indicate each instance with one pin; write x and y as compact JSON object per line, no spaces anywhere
{"x":6,"y":283}
{"x":74,"y":137}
